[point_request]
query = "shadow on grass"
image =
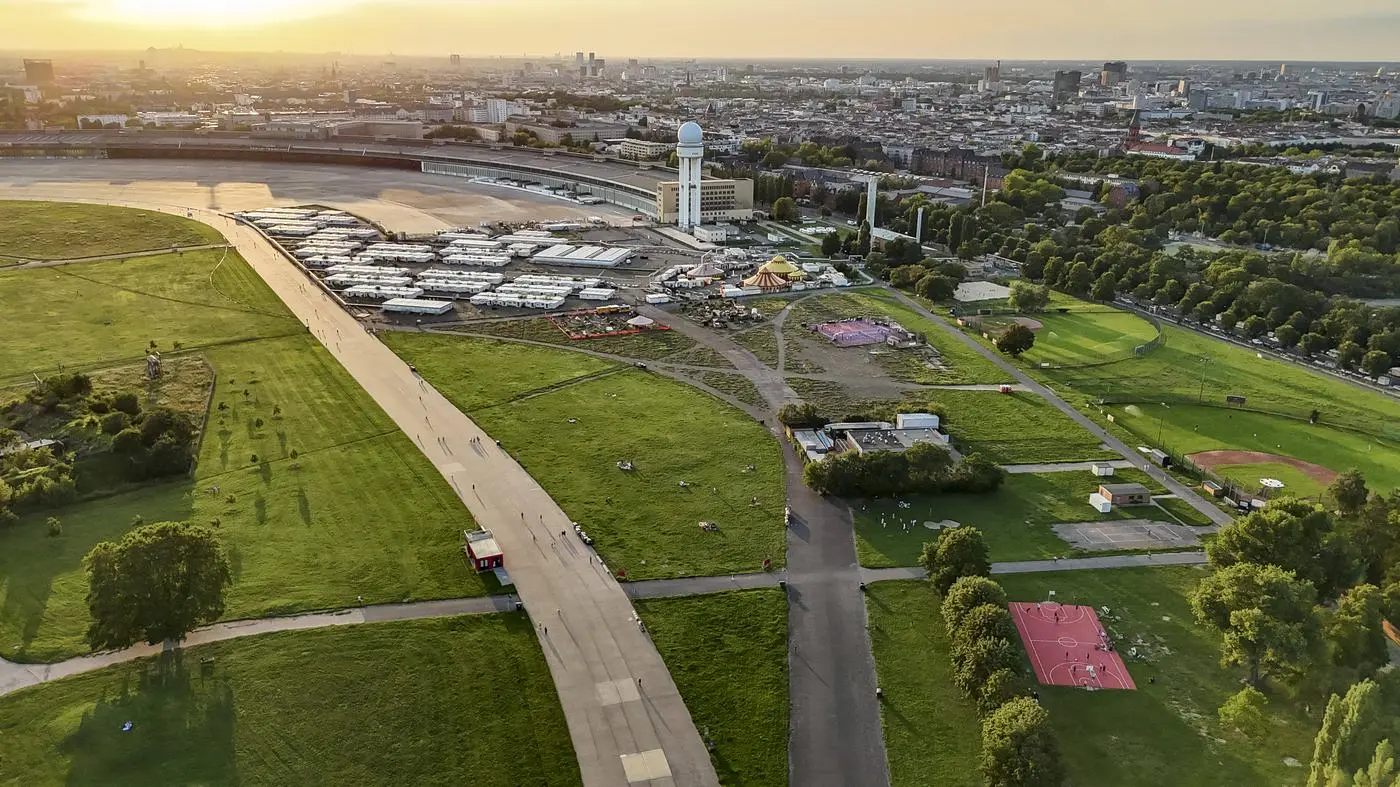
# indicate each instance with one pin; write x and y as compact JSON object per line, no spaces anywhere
{"x":31,"y":561}
{"x":182,"y":729}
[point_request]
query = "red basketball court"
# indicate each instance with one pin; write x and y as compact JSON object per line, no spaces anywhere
{"x":1068,"y":647}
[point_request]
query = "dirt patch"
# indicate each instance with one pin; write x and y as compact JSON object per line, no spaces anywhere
{"x":1209,"y":460}
{"x":1034,"y":325}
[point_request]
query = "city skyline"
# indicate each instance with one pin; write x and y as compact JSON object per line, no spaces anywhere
{"x":1349,"y":30}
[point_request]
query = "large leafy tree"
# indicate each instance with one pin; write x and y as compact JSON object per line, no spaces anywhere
{"x":158,"y":583}
{"x":1352,"y":727}
{"x":1349,"y":492}
{"x":1019,"y":747}
{"x":966,"y":595}
{"x":1294,"y":535}
{"x":957,"y":553}
{"x":1355,"y":641}
{"x":1016,"y":340}
{"x":1265,"y":614}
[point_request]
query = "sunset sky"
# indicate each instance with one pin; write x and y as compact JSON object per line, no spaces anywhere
{"x":1292,"y":30}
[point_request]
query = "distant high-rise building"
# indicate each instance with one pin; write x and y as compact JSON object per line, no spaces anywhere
{"x":1317,"y":99}
{"x":690,"y":152}
{"x":38,"y":72}
{"x":580,"y":67}
{"x":1198,"y":99}
{"x":992,"y":74}
{"x":1113,"y":73}
{"x":456,"y":60}
{"x":1067,"y":84}
{"x":1283,"y":69}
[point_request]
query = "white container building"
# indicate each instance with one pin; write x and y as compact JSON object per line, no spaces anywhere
{"x":484,"y":259}
{"x":375,"y":293}
{"x":379,"y":271}
{"x":543,"y":290}
{"x":556,"y":281}
{"x":459,"y":275}
{"x":417,"y":306}
{"x":597,"y":293}
{"x":353,"y":280}
{"x":517,"y":300}
{"x":456,"y":289}
{"x":325,"y":261}
{"x":481,"y":244}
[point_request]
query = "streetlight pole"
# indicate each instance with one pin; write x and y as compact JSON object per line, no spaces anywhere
{"x":1201,"y":395}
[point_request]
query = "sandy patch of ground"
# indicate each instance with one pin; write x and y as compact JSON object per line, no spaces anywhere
{"x":1209,"y":460}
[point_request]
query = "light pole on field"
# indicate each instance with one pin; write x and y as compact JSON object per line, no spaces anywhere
{"x":1201,"y":395}
{"x":1159,"y":425}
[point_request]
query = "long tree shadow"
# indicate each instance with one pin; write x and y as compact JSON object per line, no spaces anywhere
{"x":181,"y":729}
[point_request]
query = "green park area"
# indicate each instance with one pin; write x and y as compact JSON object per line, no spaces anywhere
{"x":690,"y":454}
{"x":1015,"y":428}
{"x":463,"y":700}
{"x":1016,"y":519}
{"x":57,"y":231}
{"x":1085,"y":336}
{"x":727,"y":654}
{"x":317,"y":496}
{"x":1166,"y":732}
{"x":1186,"y":429}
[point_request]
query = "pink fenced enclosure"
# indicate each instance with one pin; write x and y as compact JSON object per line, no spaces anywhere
{"x":853,"y":333}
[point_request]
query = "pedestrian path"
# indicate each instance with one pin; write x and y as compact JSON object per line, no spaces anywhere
{"x":1068,"y":467}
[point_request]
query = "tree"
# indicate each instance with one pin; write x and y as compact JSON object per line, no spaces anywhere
{"x":1019,"y":747}
{"x":1016,"y":340}
{"x":1244,"y":711}
{"x":1105,"y":287}
{"x":1265,"y":614}
{"x":956,"y":553}
{"x":1375,"y":363}
{"x":831,"y":244}
{"x":988,"y":621}
{"x":1352,"y":727}
{"x":1349,"y":354}
{"x":1254,"y":326}
{"x":158,"y":583}
{"x":955,"y":230}
{"x":977,"y":660}
{"x":803,"y":415}
{"x":1312,"y":343}
{"x":1287,"y":335}
{"x":1355,"y":641}
{"x":1000,"y":688}
{"x":906,"y":276}
{"x":863,"y":239}
{"x":1028,"y":298}
{"x":1079,"y":279}
{"x":785,"y":209}
{"x":1294,"y":535}
{"x":1349,"y":492}
{"x":966,"y":595}
{"x":1381,"y":772}
{"x":935,"y":287}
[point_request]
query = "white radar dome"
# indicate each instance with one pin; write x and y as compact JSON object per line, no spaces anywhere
{"x":690,"y":134}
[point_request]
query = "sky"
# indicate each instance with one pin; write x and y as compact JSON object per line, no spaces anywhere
{"x":1271,"y":30}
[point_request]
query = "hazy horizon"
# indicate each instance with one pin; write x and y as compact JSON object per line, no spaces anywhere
{"x":1344,"y":31}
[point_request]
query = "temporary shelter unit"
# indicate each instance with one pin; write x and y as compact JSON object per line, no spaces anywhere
{"x":377,"y":293}
{"x":456,"y":288}
{"x":572,"y":283}
{"x":360,"y":279}
{"x":1100,"y":503}
{"x":541,"y":290}
{"x":456,"y":275}
{"x":474,"y":244}
{"x":325,"y":261}
{"x":517,"y":300}
{"x":484,"y":259}
{"x":596,"y":293}
{"x":377,"y":271}
{"x":417,"y":306}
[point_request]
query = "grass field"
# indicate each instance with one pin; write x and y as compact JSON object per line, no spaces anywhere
{"x":359,"y":512}
{"x":457,"y":701}
{"x":1018,"y":428}
{"x":761,"y":341}
{"x":932,"y":734}
{"x":1183,"y":511}
{"x":105,"y":312}
{"x":483,"y":373}
{"x":1016,"y":518}
{"x":1187,"y":429}
{"x":736,"y":385}
{"x":1083,"y":337}
{"x":643,"y":520}
{"x":701,"y":355}
{"x":728,"y":656}
{"x":651,"y":345}
{"x":54,"y":230}
{"x":1166,"y":732}
{"x":1175,"y":370}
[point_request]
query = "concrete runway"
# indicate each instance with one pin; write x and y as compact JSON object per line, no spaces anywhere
{"x":400,"y":200}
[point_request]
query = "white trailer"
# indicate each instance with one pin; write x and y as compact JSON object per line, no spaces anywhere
{"x":453,"y":288}
{"x":417,"y":306}
{"x":353,"y":280}
{"x":484,"y":259}
{"x":380,"y":271}
{"x":460,"y":275}
{"x":596,"y":294}
{"x":325,"y":261}
{"x":374,"y":293}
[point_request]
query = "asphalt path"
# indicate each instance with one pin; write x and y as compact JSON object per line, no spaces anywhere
{"x":1130,"y":454}
{"x":625,"y":716}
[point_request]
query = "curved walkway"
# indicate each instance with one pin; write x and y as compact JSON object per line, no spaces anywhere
{"x":27,"y":264}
